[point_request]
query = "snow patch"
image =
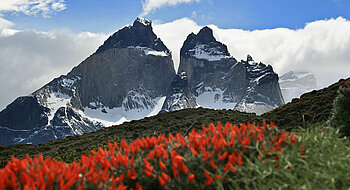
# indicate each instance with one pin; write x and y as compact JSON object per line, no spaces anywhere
{"x":202,"y":51}
{"x":55,"y":101}
{"x":214,"y":99}
{"x":144,"y":21}
{"x":68,"y":83}
{"x":149,"y":51}
{"x":117,"y":116}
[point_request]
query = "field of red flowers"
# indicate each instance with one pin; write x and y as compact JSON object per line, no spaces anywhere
{"x":209,"y":158}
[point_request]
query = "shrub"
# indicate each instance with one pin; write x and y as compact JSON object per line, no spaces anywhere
{"x":340,"y":117}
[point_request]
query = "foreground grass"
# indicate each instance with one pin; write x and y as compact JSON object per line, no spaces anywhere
{"x":312,"y":158}
{"x":326,"y":164}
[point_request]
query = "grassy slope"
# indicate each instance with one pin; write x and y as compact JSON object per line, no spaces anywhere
{"x":312,"y":107}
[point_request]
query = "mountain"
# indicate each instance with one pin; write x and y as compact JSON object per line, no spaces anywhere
{"x":293,"y":84}
{"x":219,"y":81}
{"x":130,"y":77}
{"x":127,"y":78}
{"x":263,"y":92}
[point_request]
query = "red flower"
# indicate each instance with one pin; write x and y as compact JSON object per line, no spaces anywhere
{"x":213,"y":165}
{"x":210,"y":179}
{"x":191,"y":178}
{"x":161,"y":165}
{"x":162,"y":181}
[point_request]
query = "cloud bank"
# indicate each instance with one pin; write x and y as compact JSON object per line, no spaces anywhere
{"x":32,"y":7}
{"x":30,"y":59}
{"x":322,"y":47}
{"x":151,"y":5}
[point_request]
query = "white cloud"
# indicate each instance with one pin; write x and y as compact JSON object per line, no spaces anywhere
{"x":30,"y":59}
{"x":173,"y":35}
{"x":151,"y":5}
{"x":322,"y":47}
{"x":32,"y":7}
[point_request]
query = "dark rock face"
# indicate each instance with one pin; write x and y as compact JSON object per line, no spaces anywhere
{"x":24,"y":113}
{"x":108,"y":77}
{"x":124,"y":80}
{"x":140,"y":34}
{"x":218,"y":81}
{"x":263,"y":92}
{"x":203,"y":42}
{"x":179,"y":95}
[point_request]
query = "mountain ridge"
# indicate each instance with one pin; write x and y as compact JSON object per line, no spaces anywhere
{"x":132,"y":76}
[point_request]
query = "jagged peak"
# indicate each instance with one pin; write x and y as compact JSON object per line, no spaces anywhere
{"x":205,"y":35}
{"x":140,"y":34}
{"x":249,"y":58}
{"x":143,"y":21}
{"x":203,"y":45}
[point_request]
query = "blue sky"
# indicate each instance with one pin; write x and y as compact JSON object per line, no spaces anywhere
{"x":108,"y":15}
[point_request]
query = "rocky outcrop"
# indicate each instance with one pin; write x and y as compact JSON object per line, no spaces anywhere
{"x":263,"y":92}
{"x":179,"y":95}
{"x":215,"y":78}
{"x":218,"y":81}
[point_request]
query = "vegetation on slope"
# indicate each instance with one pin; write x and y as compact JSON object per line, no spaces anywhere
{"x":310,"y":108}
{"x":341,"y":111}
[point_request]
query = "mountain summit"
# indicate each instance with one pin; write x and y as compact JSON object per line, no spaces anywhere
{"x":140,"y":34}
{"x":204,"y":46}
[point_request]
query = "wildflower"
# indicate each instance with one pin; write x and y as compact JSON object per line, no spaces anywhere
{"x":148,"y":173}
{"x":151,"y":155}
{"x":213,"y":165}
{"x":162,"y":181}
{"x":138,"y":187}
{"x":165,"y":176}
{"x":161,"y":165}
{"x":293,"y":140}
{"x":191,"y":178}
{"x":222,"y":156}
{"x":210,"y":179}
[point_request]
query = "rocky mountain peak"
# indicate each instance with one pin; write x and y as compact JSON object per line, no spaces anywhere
{"x":142,"y":22}
{"x":205,"y":35}
{"x":249,"y":58}
{"x":204,"y":46}
{"x":140,"y":35}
